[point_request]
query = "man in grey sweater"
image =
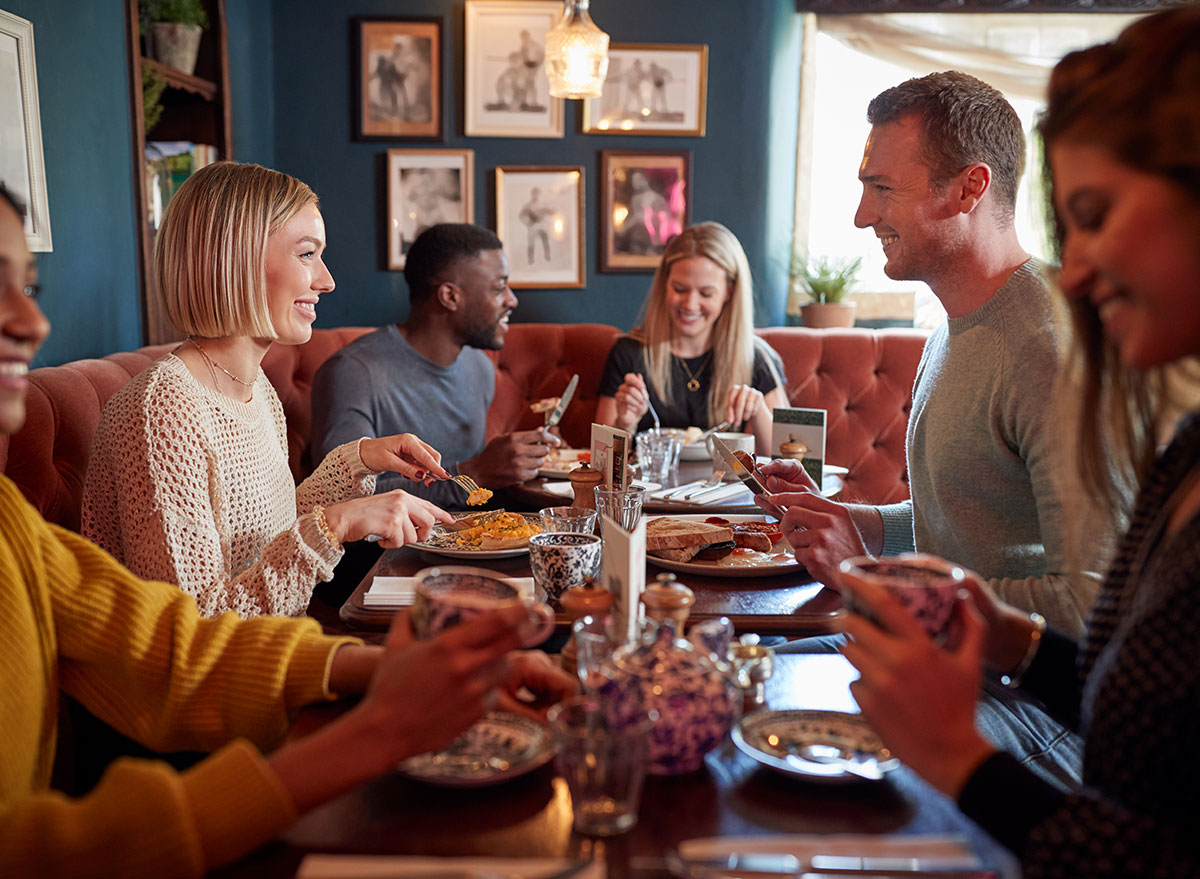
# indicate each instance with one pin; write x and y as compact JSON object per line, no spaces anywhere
{"x":939,"y":177}
{"x":429,"y":375}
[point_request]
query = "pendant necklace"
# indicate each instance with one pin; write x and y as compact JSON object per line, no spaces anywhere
{"x":213,"y":364}
{"x":693,"y":383}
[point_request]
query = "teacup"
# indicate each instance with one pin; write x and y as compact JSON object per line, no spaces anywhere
{"x":444,"y":599}
{"x":735,"y":441}
{"x":927,"y":586}
{"x":561,"y":560}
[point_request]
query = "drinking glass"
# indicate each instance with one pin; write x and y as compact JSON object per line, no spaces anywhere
{"x":576,"y":520}
{"x":623,"y":506}
{"x":658,"y":453}
{"x":603,"y":759}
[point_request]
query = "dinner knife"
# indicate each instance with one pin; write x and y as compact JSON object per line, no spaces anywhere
{"x":563,"y":402}
{"x":736,"y":461}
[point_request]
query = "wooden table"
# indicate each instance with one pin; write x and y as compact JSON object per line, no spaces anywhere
{"x":531,"y":816}
{"x":783,"y":604}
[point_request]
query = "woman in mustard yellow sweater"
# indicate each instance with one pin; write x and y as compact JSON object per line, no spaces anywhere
{"x":139,"y":656}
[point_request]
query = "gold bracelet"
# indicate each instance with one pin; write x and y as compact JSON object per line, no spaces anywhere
{"x":1013,"y":679}
{"x":318,"y":513}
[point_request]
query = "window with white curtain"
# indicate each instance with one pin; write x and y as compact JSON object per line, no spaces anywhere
{"x":848,"y":59}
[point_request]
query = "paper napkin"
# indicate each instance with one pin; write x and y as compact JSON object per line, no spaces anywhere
{"x":400,"y":591}
{"x":401,"y":866}
{"x":943,"y":852}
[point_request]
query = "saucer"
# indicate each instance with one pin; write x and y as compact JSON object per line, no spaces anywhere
{"x":500,"y":746}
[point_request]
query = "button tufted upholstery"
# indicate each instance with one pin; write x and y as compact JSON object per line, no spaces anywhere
{"x":863,"y":377}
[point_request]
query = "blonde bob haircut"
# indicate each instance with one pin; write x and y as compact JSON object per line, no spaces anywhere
{"x":733,"y":339}
{"x":209,"y":257}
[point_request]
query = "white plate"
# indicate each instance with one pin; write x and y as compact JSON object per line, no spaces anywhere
{"x":561,"y":462}
{"x":564,"y":489}
{"x":770,"y":736}
{"x":694,"y":452}
{"x":479,"y":554}
{"x":498,"y":747}
{"x":715,"y":568}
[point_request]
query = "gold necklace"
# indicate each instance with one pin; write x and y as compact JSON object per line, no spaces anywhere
{"x":213,"y":363}
{"x":693,"y":383}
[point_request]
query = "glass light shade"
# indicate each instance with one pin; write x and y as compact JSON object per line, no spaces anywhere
{"x":576,"y":54}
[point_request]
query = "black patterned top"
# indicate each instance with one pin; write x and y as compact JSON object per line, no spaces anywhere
{"x":1136,"y":698}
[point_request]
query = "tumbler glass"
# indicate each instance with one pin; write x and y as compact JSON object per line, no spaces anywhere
{"x":658,"y":453}
{"x":603,"y":760}
{"x":623,"y":506}
{"x":578,"y":520}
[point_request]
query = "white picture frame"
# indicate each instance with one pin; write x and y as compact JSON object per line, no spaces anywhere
{"x":22,"y":163}
{"x":539,"y":217}
{"x":424,"y":187}
{"x":652,"y":88}
{"x":506,"y":93}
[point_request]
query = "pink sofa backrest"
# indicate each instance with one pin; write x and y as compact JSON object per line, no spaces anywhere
{"x":863,"y":377}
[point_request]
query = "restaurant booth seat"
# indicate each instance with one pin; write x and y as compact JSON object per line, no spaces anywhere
{"x":862,"y":377}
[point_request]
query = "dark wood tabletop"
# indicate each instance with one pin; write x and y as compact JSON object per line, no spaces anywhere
{"x":531,"y":816}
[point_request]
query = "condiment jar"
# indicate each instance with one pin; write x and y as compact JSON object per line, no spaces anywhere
{"x":584,"y":479}
{"x":578,"y":602}
{"x":668,"y":599}
{"x":792,"y":448}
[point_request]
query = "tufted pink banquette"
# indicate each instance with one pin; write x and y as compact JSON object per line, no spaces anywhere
{"x":863,"y":377}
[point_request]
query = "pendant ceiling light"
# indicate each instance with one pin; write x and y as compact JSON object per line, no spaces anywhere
{"x":576,"y":54}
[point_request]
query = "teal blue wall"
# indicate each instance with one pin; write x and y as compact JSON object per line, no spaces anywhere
{"x":90,"y":277}
{"x":742,"y":170}
{"x":290,"y":66}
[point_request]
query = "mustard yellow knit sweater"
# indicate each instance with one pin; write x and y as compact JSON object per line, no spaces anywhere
{"x":139,"y":656}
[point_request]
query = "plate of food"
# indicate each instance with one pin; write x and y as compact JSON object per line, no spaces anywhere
{"x":719,"y":546}
{"x":499,"y":746}
{"x":490,"y":535}
{"x":693,"y":450}
{"x":826,"y":746}
{"x":560,"y":462}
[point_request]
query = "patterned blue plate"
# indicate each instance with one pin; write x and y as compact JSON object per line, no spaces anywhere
{"x":498,"y":747}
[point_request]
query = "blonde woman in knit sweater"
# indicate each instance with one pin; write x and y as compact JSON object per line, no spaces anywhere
{"x":139,"y":656}
{"x":188,"y":480}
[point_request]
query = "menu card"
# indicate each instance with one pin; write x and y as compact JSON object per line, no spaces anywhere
{"x":623,"y":563}
{"x":805,"y":426}
{"x":610,"y":455}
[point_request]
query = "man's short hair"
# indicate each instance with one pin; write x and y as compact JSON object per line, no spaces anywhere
{"x":437,"y":250}
{"x":6,"y":196}
{"x":963,"y":120}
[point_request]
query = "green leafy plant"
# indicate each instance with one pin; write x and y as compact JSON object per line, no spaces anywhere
{"x":179,"y":11}
{"x":824,"y":280}
{"x":153,"y":85}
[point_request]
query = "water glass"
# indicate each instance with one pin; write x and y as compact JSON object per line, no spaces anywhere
{"x":623,"y":506}
{"x":603,"y":760}
{"x":574,"y":520}
{"x":658,"y":453}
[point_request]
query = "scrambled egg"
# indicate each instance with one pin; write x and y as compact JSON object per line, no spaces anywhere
{"x":501,"y":527}
{"x":479,"y":496}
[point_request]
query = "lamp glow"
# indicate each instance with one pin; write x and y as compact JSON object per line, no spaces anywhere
{"x":576,"y":54}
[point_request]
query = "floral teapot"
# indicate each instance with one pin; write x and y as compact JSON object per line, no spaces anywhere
{"x":696,"y":699}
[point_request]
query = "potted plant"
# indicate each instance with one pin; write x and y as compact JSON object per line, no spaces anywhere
{"x":173,"y":29}
{"x":825,"y":281}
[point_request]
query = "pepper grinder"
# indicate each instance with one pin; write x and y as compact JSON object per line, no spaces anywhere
{"x":578,"y":602}
{"x":792,"y":448}
{"x":584,"y":479}
{"x":668,"y":599}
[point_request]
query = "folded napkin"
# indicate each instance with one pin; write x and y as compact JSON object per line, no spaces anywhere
{"x":400,"y":591}
{"x":402,"y":866}
{"x":717,"y":495}
{"x":949,"y":852}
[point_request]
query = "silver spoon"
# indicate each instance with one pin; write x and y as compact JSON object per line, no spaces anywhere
{"x":853,"y":762}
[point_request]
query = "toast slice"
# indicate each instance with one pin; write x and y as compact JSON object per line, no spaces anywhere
{"x":683,"y":554}
{"x":669,"y":532}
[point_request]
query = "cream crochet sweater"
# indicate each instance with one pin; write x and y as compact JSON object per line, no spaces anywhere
{"x":189,"y":486}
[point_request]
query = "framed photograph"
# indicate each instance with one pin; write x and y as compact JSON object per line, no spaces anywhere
{"x":645,"y":201}
{"x":426,"y":187}
{"x":399,"y":83}
{"x":539,"y":217}
{"x":22,"y":167}
{"x":507,"y":93}
{"x":651,"y":88}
